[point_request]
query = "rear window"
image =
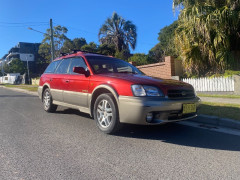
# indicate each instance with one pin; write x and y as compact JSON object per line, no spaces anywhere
{"x":52,"y":67}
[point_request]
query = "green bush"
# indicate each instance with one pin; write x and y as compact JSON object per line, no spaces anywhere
{"x":231,"y":73}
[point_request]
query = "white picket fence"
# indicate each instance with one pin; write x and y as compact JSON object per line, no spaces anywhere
{"x":211,"y":84}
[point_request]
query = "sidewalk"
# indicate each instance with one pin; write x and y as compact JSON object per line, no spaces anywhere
{"x":214,"y":121}
{"x":21,"y":90}
{"x":221,"y":100}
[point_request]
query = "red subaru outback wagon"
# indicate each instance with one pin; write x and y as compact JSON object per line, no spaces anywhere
{"x":113,"y":92}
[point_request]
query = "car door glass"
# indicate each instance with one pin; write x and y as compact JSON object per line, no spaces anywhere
{"x":77,"y":62}
{"x":63,"y":67}
{"x":51,"y":68}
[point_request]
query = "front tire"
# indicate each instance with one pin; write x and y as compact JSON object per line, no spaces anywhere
{"x":106,"y":113}
{"x":47,"y":101}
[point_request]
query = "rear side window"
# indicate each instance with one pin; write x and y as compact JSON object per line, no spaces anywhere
{"x":51,"y":67}
{"x":63,"y":67}
{"x":77,"y":62}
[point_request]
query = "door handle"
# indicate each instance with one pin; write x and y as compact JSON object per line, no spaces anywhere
{"x":67,"y":81}
{"x":50,"y":79}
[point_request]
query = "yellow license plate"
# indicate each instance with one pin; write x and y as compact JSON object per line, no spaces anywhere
{"x":189,"y":108}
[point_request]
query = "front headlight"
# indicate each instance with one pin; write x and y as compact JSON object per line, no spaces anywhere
{"x":138,"y":90}
{"x":144,"y":90}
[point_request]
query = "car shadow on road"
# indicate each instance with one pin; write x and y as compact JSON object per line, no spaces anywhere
{"x":63,"y":110}
{"x":183,"y":135}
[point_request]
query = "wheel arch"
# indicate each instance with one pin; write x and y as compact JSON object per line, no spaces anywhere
{"x":102,"y":89}
{"x":45,"y":86}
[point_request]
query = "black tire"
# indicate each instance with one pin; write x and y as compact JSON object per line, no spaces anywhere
{"x":47,"y":101}
{"x":106,"y":114}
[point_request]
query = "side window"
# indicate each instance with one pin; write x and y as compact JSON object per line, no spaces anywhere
{"x":63,"y":67}
{"x":77,"y":62}
{"x":51,"y":67}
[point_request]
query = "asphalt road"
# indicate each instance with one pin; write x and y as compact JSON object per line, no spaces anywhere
{"x":67,"y":145}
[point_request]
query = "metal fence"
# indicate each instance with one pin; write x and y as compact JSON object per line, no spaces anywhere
{"x":211,"y":84}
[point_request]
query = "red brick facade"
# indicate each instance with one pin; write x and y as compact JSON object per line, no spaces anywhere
{"x":163,"y":70}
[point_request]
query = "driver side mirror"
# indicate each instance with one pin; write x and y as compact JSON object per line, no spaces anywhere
{"x":81,"y":70}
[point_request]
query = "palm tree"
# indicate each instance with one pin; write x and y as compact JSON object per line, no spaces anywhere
{"x":208,"y":34}
{"x":118,"y":32}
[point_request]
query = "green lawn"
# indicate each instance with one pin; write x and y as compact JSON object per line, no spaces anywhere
{"x":231,"y":111}
{"x":218,"y":96}
{"x":26,"y":87}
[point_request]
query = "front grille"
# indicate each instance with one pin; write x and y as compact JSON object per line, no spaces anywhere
{"x":180,"y":94}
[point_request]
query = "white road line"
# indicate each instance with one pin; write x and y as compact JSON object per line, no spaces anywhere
{"x":211,"y":128}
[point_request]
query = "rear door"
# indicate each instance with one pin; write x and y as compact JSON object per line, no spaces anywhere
{"x":49,"y":76}
{"x":59,"y":81}
{"x":77,"y":89}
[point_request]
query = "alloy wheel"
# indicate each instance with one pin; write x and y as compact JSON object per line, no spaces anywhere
{"x":104,"y":113}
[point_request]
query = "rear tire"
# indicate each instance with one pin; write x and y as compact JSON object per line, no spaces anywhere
{"x":47,"y":101}
{"x":106,"y":114}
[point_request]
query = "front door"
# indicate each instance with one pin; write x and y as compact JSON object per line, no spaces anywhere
{"x":77,"y":89}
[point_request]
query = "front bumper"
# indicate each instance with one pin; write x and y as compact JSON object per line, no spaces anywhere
{"x":133,"y":110}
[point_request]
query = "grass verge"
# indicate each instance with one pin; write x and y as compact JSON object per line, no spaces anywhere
{"x":231,"y":111}
{"x":219,"y":96}
{"x":32,"y":88}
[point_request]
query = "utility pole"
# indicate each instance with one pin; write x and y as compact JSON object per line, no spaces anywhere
{"x":52,"y":42}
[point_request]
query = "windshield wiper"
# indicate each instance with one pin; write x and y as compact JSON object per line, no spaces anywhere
{"x":127,"y":72}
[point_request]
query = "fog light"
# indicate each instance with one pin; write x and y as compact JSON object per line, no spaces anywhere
{"x":149,"y":117}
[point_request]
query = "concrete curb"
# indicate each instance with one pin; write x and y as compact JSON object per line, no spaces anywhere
{"x":215,"y":121}
{"x":21,"y":90}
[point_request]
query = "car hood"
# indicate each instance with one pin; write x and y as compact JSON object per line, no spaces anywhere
{"x":146,"y":80}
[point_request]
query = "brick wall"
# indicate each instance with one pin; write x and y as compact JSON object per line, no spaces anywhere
{"x":163,"y":70}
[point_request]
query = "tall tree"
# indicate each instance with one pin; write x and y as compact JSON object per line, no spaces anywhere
{"x":106,"y":49}
{"x":140,"y":59}
{"x":208,"y":34}
{"x":59,"y":34}
{"x":166,"y":45}
{"x":118,"y":32}
{"x":78,"y":43}
{"x":15,"y":66}
{"x":156,"y":53}
{"x":75,"y":44}
{"x":91,"y":47}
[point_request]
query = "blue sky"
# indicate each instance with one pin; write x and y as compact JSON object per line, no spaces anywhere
{"x":82,"y":18}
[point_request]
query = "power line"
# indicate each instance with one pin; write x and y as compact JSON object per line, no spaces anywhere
{"x":1,"y":22}
{"x":74,"y":28}
{"x":9,"y":26}
{"x":21,"y":24}
{"x":70,"y":27}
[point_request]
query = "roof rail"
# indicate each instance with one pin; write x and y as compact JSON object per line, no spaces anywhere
{"x":88,"y":52}
{"x":76,"y":51}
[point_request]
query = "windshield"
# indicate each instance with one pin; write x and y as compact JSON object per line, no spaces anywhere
{"x":102,"y":65}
